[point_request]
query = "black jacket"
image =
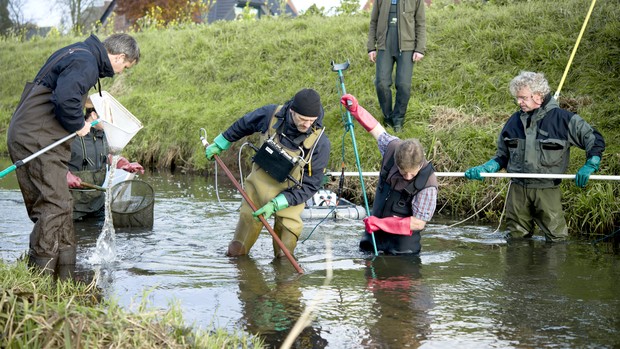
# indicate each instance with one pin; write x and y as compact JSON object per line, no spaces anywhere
{"x":259,"y":120}
{"x":72,"y":77}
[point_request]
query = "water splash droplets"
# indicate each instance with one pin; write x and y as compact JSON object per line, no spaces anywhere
{"x":105,"y":250}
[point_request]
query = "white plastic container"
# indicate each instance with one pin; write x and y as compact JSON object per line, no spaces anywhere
{"x":119,"y":124}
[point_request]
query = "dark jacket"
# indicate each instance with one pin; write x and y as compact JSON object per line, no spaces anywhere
{"x":89,"y":153}
{"x":540,"y":142}
{"x":72,"y":77}
{"x":259,"y":121}
{"x":393,"y":197}
{"x":411,"y":25}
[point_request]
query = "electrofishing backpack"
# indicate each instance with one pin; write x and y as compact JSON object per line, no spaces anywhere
{"x":280,"y":162}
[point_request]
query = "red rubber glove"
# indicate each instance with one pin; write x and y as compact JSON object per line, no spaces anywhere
{"x":73,"y":181}
{"x":359,"y":113}
{"x":392,"y":225}
{"x":131,"y":167}
{"x":121,"y":162}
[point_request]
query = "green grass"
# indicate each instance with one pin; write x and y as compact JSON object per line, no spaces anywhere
{"x":38,"y":312}
{"x":208,"y":76}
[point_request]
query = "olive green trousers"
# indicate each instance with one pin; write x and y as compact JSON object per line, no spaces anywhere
{"x":528,"y":207}
{"x":261,"y":188}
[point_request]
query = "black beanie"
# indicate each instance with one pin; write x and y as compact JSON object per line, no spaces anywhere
{"x":307,"y":103}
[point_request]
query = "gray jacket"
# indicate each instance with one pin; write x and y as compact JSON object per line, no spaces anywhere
{"x":411,"y":25}
{"x":540,"y":142}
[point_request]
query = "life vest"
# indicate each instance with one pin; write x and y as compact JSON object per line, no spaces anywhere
{"x":392,"y":202}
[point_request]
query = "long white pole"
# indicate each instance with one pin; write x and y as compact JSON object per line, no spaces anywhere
{"x":497,"y":175}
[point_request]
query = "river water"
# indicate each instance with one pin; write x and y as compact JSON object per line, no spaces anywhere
{"x":468,"y":289}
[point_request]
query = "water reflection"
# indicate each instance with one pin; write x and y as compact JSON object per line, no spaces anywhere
{"x":468,"y":289}
{"x":542,"y":283}
{"x":401,"y":297}
{"x":271,"y":303}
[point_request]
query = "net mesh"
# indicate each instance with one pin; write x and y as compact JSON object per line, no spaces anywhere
{"x":132,"y":204}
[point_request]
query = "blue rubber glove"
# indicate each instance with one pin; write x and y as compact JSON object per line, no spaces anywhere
{"x":490,"y":166}
{"x":591,"y":166}
{"x":219,"y":144}
{"x":276,"y":204}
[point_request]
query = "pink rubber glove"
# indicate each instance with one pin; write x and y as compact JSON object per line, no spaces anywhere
{"x":121,"y":162}
{"x":134,"y":167}
{"x":73,"y":181}
{"x":359,"y":113}
{"x":131,"y":167}
{"x":392,"y":225}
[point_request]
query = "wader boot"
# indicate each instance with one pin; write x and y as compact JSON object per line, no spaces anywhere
{"x":66,"y":262}
{"x":43,"y":263}
{"x":288,"y":225}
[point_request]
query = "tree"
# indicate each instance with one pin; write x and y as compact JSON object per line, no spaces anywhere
{"x":314,"y":11}
{"x":348,"y":7}
{"x":74,"y":13}
{"x":164,"y":11}
{"x":16,"y":14}
{"x":5,"y":19}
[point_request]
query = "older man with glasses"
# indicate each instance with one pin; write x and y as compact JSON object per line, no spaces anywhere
{"x":537,"y":139}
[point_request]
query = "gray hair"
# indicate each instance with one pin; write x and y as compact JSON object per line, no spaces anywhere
{"x":409,"y":154}
{"x":535,"y":81}
{"x":121,"y":43}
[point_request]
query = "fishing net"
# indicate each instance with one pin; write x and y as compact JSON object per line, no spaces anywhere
{"x":132,"y":204}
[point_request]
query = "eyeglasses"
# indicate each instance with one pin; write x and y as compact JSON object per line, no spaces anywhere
{"x":523,"y":99}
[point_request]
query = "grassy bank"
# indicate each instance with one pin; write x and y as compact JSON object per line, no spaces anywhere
{"x":208,"y":76}
{"x":37,"y":312}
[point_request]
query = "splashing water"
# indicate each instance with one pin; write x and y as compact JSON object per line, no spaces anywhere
{"x":105,"y":250}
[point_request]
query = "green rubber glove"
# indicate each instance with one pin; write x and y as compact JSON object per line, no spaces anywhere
{"x":591,"y":166}
{"x":276,"y":204}
{"x":490,"y":166}
{"x":219,"y":144}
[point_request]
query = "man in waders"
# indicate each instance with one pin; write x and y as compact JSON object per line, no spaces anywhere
{"x":50,"y":108}
{"x":406,"y":194}
{"x":90,"y":159}
{"x":537,"y":139}
{"x":287,"y":170}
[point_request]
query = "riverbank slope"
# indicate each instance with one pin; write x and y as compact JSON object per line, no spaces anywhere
{"x":207,"y":76}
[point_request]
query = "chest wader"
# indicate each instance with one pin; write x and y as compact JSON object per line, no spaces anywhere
{"x":532,"y":202}
{"x":392,"y":202}
{"x":543,"y":206}
{"x":89,"y":201}
{"x":261,"y":187}
{"x":43,"y":180}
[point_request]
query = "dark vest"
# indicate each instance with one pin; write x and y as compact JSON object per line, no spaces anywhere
{"x":306,"y":142}
{"x":89,"y":156}
{"x":393,"y":197}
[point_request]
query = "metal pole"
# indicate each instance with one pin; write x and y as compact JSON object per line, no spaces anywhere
{"x":494,"y":175}
{"x":349,"y":128}
{"x":20,"y":163}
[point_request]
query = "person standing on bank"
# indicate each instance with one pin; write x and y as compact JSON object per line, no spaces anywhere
{"x":293,"y":133}
{"x":396,"y":36}
{"x":406,"y":194}
{"x":50,"y":108}
{"x":537,"y":139}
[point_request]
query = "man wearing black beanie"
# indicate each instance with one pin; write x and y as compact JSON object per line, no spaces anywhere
{"x":287,"y":171}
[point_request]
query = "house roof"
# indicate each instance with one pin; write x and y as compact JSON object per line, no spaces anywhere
{"x":225,"y":9}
